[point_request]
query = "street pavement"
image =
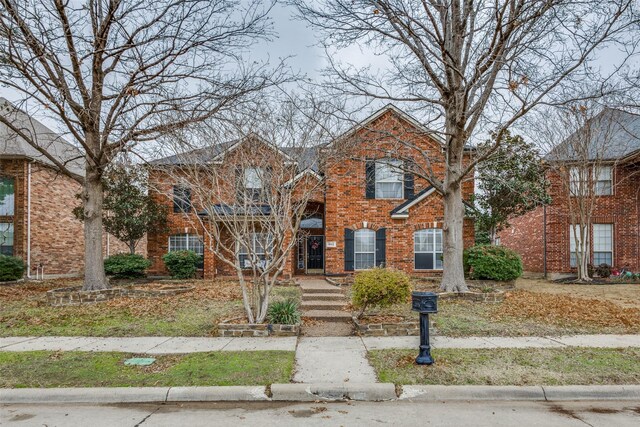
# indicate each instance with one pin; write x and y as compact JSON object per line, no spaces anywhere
{"x":438,"y":413}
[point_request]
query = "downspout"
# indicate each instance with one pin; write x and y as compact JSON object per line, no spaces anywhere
{"x":29,"y":219}
{"x":544,"y":240}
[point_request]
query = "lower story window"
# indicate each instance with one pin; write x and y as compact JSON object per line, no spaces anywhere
{"x":575,"y":242}
{"x":364,"y":249}
{"x":6,"y":238}
{"x":187,"y":242}
{"x":257,"y":247}
{"x":602,"y":244}
{"x":428,"y":249}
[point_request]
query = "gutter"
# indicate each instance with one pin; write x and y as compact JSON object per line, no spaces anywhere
{"x":29,"y":219}
{"x":544,"y":240}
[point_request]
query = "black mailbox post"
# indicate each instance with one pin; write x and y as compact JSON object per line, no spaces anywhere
{"x":424,"y":303}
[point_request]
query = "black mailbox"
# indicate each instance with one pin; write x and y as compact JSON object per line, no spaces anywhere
{"x":424,"y":303}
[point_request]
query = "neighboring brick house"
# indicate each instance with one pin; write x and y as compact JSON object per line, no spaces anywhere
{"x":544,"y":237}
{"x":36,"y":201}
{"x":372,"y":211}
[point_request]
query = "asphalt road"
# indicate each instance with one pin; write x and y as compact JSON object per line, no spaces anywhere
{"x":520,"y":414}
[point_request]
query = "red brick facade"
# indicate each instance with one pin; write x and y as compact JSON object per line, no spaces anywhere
{"x":621,"y":209}
{"x":57,"y":243}
{"x":343,"y":204}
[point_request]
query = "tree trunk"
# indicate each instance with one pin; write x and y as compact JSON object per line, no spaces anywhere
{"x":94,"y":277}
{"x":453,"y":270}
{"x":132,"y":247}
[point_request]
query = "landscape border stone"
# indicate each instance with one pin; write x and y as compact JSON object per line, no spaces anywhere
{"x":227,"y":329}
{"x":385,"y":329}
{"x":74,"y":295}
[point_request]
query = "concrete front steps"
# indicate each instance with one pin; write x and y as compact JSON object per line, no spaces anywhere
{"x":323,"y":302}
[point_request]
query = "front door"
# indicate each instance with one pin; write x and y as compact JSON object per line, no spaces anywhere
{"x":315,"y":254}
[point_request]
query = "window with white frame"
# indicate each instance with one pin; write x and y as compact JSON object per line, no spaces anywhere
{"x":389,"y":179}
{"x":187,"y":242}
{"x":260,"y":247}
{"x":602,"y":244}
{"x":6,"y":238}
{"x":253,"y":178}
{"x":427,"y":246}
{"x":578,"y":180}
{"x":603,"y":180}
{"x":7,"y":196}
{"x":364,"y":249}
{"x":574,"y":231}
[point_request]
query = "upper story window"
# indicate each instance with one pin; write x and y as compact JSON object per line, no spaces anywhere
{"x":364,"y":249}
{"x":7,"y":196}
{"x":181,"y":199}
{"x":427,"y":246}
{"x":389,"y":179}
{"x":578,"y":180}
{"x":6,"y":238}
{"x":603,"y":180}
{"x":253,"y":183}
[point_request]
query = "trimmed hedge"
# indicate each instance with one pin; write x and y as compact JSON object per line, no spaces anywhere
{"x":379,"y":287}
{"x":487,"y":262}
{"x":11,"y":268}
{"x":181,"y":264}
{"x":126,"y":266}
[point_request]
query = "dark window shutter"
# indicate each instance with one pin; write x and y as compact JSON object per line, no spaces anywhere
{"x":381,"y":247}
{"x":370,"y":174}
{"x":408,"y":180}
{"x":348,"y":249}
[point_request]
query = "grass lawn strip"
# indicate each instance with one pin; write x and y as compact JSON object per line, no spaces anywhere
{"x":543,"y":366}
{"x":84,"y":369}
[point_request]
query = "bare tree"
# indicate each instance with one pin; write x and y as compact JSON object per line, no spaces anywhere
{"x":252,"y":193}
{"x":479,"y":66}
{"x":588,"y":145}
{"x":116,"y":73}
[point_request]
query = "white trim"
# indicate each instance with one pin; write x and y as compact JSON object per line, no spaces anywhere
{"x":400,"y":172}
{"x":389,"y":107}
{"x":433,"y":253}
{"x":218,"y":158}
{"x":375,"y":238}
{"x":301,"y":174}
{"x":404,"y":212}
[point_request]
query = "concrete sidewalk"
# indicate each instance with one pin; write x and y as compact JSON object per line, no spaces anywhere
{"x":329,"y":345}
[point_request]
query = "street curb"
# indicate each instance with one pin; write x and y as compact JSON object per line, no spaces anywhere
{"x":327,"y":392}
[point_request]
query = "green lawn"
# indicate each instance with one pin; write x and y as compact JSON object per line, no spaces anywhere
{"x":24,"y":311}
{"x":86,"y":369}
{"x":543,"y":366}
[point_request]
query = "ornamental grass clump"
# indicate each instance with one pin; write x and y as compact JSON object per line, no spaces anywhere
{"x":487,"y":262}
{"x":379,"y":287}
{"x":284,"y":312}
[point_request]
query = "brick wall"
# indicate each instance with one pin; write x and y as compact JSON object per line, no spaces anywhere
{"x":620,"y":209}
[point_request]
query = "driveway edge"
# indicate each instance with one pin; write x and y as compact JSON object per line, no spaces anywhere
{"x":328,"y":392}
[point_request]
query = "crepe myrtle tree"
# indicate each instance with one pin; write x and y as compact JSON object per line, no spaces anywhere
{"x":117,"y":73}
{"x":249,"y":195}
{"x":473,"y":67}
{"x":586,"y":143}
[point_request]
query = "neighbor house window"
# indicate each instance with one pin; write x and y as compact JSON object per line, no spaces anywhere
{"x":602,"y":244}
{"x":187,"y":242}
{"x":427,"y":246}
{"x":6,"y":238}
{"x":259,"y":246}
{"x":573,"y":244}
{"x":7,"y":196}
{"x":603,"y":180}
{"x":578,"y":181}
{"x":389,"y":179}
{"x":364,"y":249}
{"x":181,"y":199}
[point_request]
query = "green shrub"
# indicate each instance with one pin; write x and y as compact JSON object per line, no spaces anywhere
{"x":603,"y":271}
{"x":11,"y":268}
{"x":126,"y":266}
{"x":284,"y":312}
{"x":488,"y":262}
{"x":379,"y":287}
{"x":181,"y":264}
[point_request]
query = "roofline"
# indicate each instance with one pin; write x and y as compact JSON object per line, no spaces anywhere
{"x":402,"y":212}
{"x":218,"y":157}
{"x":301,"y":174}
{"x":389,"y":107}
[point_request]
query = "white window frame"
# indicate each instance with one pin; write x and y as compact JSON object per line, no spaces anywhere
{"x":356,"y":252}
{"x":573,"y":255}
{"x":431,"y":233}
{"x":188,"y":246}
{"x":8,"y":206}
{"x":9,"y":229}
{"x":601,"y":247}
{"x":597,"y":171}
{"x":396,"y":178}
{"x":266,"y":249}
{"x":253,"y":178}
{"x":576,"y":180}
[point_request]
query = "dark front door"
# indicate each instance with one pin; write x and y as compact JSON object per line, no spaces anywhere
{"x":315,"y":252}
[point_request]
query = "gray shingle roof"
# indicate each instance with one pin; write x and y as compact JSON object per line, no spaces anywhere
{"x":615,"y":134}
{"x":13,"y":145}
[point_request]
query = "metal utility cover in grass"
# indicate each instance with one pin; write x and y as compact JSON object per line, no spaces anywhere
{"x":139,"y":361}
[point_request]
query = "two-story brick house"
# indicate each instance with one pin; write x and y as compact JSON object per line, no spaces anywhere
{"x":545,"y":237}
{"x":36,"y":200}
{"x":370,"y":210}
